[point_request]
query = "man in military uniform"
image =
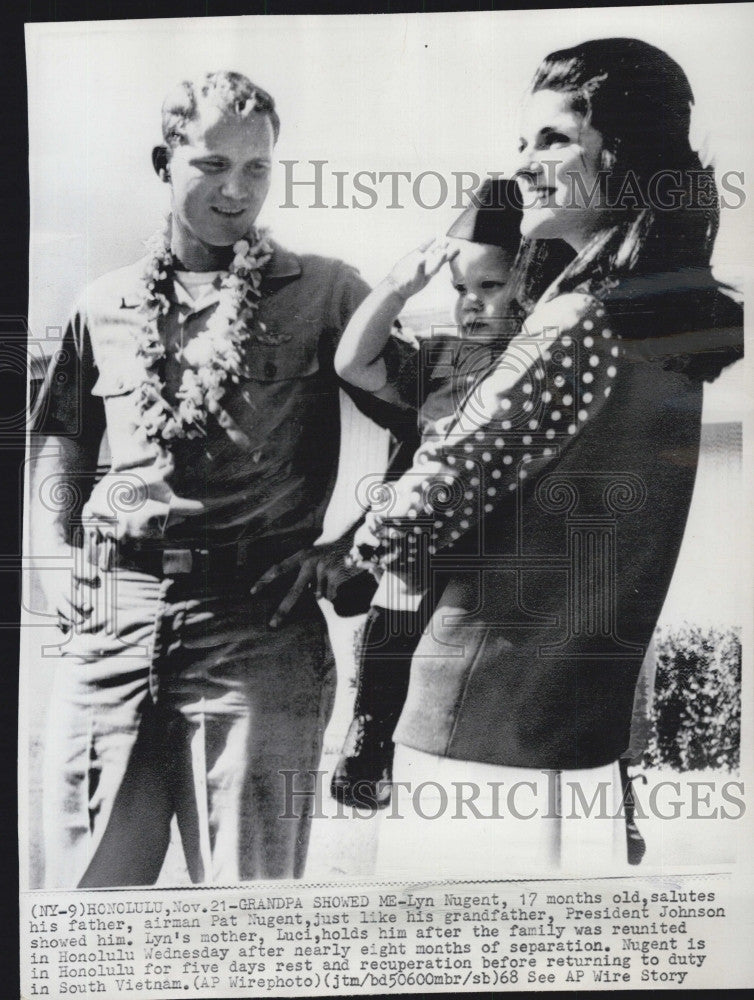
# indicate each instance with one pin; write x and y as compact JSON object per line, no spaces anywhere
{"x":209,"y":366}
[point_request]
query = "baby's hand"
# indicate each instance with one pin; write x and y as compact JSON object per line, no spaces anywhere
{"x":417,"y":268}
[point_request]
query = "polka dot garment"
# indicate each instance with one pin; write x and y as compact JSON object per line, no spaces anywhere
{"x":554,"y":377}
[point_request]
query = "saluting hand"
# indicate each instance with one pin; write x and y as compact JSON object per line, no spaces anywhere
{"x":414,"y":271}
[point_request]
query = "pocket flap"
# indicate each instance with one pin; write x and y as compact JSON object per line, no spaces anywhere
{"x":288,"y":360}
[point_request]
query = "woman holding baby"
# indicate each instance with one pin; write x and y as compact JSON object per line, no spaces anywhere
{"x":537,"y":529}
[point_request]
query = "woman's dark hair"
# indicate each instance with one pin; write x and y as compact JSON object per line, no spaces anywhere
{"x":539,"y":264}
{"x":640,"y":100}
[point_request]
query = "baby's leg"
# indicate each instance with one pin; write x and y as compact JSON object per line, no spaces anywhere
{"x":363,"y":775}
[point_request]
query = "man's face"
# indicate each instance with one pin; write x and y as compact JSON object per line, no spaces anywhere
{"x":220,"y":176}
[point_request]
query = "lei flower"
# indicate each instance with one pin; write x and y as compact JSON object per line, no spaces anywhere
{"x":214,"y":357}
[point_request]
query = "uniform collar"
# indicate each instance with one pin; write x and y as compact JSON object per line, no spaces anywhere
{"x":282,"y":265}
{"x":207,"y":298}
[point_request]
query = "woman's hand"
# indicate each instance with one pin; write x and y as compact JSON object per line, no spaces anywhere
{"x":366,"y":546}
{"x":414,"y":271}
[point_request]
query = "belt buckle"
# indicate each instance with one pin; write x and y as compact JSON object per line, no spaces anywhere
{"x":175,"y":561}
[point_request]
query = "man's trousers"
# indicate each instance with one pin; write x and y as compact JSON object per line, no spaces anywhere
{"x":179,"y":700}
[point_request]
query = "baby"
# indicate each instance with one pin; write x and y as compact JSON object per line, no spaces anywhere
{"x":482,"y":251}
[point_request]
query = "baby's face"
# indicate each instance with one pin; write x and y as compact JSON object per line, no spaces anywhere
{"x":481,"y":277}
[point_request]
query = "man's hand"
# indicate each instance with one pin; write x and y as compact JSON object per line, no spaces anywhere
{"x":73,"y":607}
{"x":132,"y":506}
{"x":322,"y":568}
{"x":75,"y":604}
{"x":414,"y":271}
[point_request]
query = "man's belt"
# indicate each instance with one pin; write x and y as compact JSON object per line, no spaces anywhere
{"x":177,"y":562}
{"x":222,"y":562}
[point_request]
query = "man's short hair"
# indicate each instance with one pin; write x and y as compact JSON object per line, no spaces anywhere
{"x":233,"y":93}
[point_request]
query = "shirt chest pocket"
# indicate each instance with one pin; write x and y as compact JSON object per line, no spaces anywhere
{"x":282,"y":363}
{"x":282,"y":395}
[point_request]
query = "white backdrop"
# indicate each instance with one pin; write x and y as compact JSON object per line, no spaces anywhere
{"x":365,"y":93}
{"x":376,"y":93}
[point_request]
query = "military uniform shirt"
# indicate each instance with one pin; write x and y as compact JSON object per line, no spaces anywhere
{"x":268,"y":461}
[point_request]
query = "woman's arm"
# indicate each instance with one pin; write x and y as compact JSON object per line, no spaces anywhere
{"x":554,"y":377}
{"x":358,"y":359}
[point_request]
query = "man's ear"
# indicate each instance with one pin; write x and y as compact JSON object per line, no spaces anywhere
{"x":160,"y":161}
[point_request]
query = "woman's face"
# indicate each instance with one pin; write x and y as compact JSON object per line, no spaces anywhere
{"x":558,"y":173}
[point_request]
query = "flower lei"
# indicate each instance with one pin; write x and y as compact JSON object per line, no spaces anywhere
{"x":215,"y":356}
